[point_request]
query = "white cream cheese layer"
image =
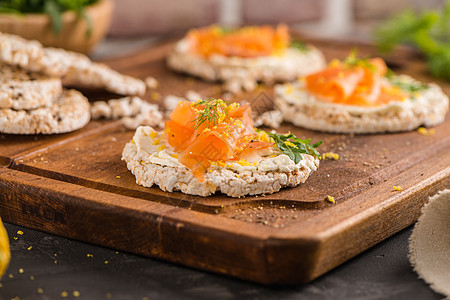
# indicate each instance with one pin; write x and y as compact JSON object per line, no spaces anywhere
{"x":153,"y":148}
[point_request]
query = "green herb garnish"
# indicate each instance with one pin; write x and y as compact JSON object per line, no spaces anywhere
{"x":428,"y":31}
{"x":352,"y":60}
{"x":294,"y":147}
{"x":214,"y":110}
{"x":227,"y":30}
{"x":53,"y":8}
{"x":298,"y":45}
{"x":407,"y":86}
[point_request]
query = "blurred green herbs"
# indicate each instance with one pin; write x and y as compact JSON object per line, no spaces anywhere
{"x":53,"y":8}
{"x":429,"y":31}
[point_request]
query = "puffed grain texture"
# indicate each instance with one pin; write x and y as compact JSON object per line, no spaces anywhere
{"x":68,"y":113}
{"x":220,"y":179}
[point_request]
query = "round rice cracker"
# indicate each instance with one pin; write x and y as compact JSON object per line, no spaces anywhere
{"x":21,"y":89}
{"x":75,"y":67}
{"x":268,"y":69}
{"x":219,"y":179}
{"x":69,"y":112}
{"x":428,"y":109}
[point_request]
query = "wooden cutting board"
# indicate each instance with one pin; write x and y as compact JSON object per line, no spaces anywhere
{"x":75,"y":185}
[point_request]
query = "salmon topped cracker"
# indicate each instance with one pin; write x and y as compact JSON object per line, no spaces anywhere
{"x":211,"y":145}
{"x":241,"y":57}
{"x":360,"y":96}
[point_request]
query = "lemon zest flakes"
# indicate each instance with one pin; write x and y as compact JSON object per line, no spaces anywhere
{"x":424,"y":131}
{"x":239,"y":123}
{"x":153,"y":134}
{"x":156,"y":141}
{"x":262,"y":136}
{"x":174,"y":155}
{"x":330,"y":199}
{"x":233,"y":106}
{"x":330,"y":155}
{"x":289,"y":89}
{"x":155,"y":96}
{"x":290,"y":144}
{"x":20,"y":232}
{"x":335,"y":63}
{"x":398,"y":188}
{"x":218,"y":163}
{"x":161,"y":148}
{"x":244,"y":162}
{"x":117,"y":177}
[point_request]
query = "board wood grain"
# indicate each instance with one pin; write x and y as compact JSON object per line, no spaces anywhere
{"x":75,"y":185}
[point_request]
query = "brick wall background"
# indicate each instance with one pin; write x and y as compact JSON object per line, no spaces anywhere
{"x":351,"y":18}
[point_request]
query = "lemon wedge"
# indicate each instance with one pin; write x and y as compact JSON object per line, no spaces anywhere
{"x":5,"y":254}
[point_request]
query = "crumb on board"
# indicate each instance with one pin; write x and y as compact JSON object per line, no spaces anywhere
{"x":330,"y":199}
{"x":151,"y":82}
{"x":118,"y":177}
{"x":330,"y":155}
{"x":20,"y":232}
{"x":397,"y":188}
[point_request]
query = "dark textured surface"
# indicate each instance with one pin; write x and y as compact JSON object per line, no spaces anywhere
{"x":382,"y":272}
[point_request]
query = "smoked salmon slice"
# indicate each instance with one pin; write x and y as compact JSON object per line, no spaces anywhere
{"x":354,"y":82}
{"x":211,"y":131}
{"x":251,"y":41}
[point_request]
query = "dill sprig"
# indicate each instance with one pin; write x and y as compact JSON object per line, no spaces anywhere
{"x":212,"y":112}
{"x":294,"y":147}
{"x":352,"y":60}
{"x":299,"y":45}
{"x":406,"y":85}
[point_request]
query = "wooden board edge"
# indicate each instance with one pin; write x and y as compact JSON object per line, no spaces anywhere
{"x":152,"y":229}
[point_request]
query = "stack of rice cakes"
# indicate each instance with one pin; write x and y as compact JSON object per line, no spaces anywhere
{"x":32,"y":97}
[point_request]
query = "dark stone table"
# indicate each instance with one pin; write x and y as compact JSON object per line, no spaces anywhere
{"x":60,"y":268}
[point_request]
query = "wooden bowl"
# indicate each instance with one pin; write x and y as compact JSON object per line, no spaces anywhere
{"x":73,"y":35}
